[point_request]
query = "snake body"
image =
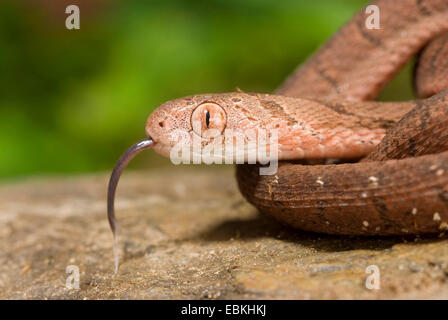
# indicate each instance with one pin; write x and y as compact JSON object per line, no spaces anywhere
{"x":401,"y":184}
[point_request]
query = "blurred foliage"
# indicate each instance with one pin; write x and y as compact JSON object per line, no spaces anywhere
{"x":74,"y":100}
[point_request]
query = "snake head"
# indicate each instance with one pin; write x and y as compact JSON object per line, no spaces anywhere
{"x":201,"y":122}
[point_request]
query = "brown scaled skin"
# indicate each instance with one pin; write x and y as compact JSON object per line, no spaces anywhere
{"x":432,"y":67}
{"x":376,"y":196}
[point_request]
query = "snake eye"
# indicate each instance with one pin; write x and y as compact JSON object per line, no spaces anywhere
{"x":208,"y":120}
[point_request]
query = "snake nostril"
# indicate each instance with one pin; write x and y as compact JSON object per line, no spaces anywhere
{"x":161,"y":124}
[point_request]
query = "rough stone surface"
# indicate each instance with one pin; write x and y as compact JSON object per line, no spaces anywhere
{"x":186,"y":232}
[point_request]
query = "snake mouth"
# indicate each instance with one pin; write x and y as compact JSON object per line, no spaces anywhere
{"x":113,"y":182}
{"x":162,"y":149}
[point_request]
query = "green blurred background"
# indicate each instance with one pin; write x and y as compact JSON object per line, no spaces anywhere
{"x":72,"y":101}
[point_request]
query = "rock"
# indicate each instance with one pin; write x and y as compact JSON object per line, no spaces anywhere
{"x":186,"y":233}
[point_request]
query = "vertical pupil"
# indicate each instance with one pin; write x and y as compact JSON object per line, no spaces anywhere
{"x":207,"y":118}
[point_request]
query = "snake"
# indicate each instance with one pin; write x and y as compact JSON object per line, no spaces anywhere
{"x":348,"y":165}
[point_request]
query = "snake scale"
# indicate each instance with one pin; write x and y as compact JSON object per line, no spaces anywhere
{"x":392,"y":175}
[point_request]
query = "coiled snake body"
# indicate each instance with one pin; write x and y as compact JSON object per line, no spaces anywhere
{"x":401,"y":184}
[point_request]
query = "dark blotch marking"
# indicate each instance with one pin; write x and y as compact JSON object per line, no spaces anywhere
{"x":382,"y":123}
{"x":368,"y":36}
{"x":277,"y":110}
{"x":425,"y":116}
{"x":278,"y":204}
{"x":422,"y":8}
{"x":434,"y":56}
{"x":412,"y":147}
{"x":330,"y":80}
{"x":381,"y":208}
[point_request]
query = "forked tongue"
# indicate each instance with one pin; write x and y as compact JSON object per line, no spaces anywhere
{"x":119,"y":167}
